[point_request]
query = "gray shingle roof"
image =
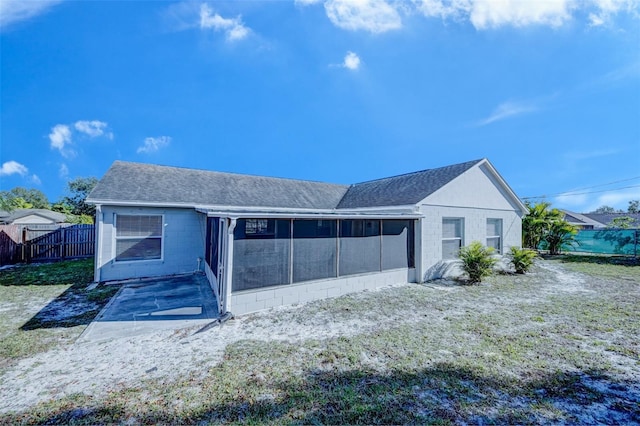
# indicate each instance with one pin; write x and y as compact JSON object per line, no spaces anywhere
{"x":145,"y":183}
{"x":607,"y":218}
{"x":135,"y":182}
{"x":9,"y":217}
{"x":401,"y":190}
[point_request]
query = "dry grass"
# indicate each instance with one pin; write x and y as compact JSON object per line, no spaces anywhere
{"x":559,"y":345}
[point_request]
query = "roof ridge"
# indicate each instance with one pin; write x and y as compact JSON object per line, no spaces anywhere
{"x":232,"y":173}
{"x":417,"y":172}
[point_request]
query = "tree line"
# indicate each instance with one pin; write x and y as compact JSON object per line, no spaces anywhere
{"x":72,"y":204}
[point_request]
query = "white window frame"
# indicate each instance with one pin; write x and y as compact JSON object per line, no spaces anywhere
{"x":116,"y":238}
{"x":461,"y":238}
{"x":493,"y":237}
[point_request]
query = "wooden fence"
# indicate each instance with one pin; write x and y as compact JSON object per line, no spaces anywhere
{"x":45,"y":243}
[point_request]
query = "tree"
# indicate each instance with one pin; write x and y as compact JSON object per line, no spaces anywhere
{"x":22,"y":198}
{"x":622,"y":222}
{"x":79,"y":189}
{"x":634,"y":206}
{"x":560,"y":234}
{"x":604,"y":210}
{"x":537,"y":223}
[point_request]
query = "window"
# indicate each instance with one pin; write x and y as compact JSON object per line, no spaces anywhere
{"x":452,"y":231}
{"x":494,"y":234}
{"x":257,"y":227}
{"x":138,"y":237}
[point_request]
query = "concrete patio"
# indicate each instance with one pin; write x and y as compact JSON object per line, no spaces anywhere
{"x":144,"y":306}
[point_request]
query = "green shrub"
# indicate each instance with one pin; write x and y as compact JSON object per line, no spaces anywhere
{"x":477,"y":261}
{"x":521,"y":259}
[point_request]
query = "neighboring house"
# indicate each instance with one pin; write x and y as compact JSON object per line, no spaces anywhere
{"x":607,"y":219}
{"x":265,"y":241}
{"x":31,"y":217}
{"x":598,"y":220}
{"x":581,"y":221}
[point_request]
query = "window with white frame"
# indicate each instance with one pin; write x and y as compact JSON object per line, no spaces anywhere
{"x":494,"y":234}
{"x":138,"y":237}
{"x":452,"y":237}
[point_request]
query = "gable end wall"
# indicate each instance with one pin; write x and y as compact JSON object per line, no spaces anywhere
{"x":474,"y":196}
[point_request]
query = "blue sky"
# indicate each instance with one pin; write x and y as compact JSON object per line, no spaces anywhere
{"x":339,"y":91}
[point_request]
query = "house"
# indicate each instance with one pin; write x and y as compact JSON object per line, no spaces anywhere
{"x":581,"y":221}
{"x":264,"y":241}
{"x":31,"y":217}
{"x":599,"y":220}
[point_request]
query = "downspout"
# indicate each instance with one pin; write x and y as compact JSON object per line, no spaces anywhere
{"x":97,"y":267}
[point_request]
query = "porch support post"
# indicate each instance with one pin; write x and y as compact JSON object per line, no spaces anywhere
{"x":228,"y":268}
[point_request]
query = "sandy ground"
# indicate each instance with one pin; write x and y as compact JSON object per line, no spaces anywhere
{"x":95,"y":368}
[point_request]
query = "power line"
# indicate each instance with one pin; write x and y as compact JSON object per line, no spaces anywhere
{"x":571,"y":194}
{"x":604,"y":184}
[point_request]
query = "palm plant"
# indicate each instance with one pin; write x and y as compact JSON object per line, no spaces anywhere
{"x":521,"y":259}
{"x":560,"y":234}
{"x":537,"y":222}
{"x":477,"y":261}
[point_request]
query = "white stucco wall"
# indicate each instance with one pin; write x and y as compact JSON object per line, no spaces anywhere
{"x":183,"y":243}
{"x":475,"y":196}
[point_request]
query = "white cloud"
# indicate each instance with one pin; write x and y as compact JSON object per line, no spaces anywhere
{"x":376,"y":16}
{"x":182,"y":15}
{"x":518,"y":13}
{"x":233,"y":28}
{"x":571,"y":200}
{"x":154,"y":144}
{"x":13,"y":11}
{"x":92,"y":128}
{"x":484,"y":14}
{"x":13,"y":168}
{"x":607,"y":9}
{"x":506,"y":110}
{"x":60,"y":136}
{"x":351,"y":61}
{"x":63,"y":171}
{"x":35,"y":180}
{"x":444,"y":9}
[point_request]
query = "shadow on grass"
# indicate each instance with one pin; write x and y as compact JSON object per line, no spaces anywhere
{"x":75,"y":306}
{"x":595,"y":259}
{"x":444,"y":394}
{"x":68,"y":272}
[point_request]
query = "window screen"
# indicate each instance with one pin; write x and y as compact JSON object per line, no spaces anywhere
{"x":397,"y":244}
{"x":359,"y":246}
{"x":452,"y":230}
{"x":494,"y":234}
{"x":314,"y":249}
{"x":138,"y":237}
{"x":213,"y":242}
{"x":261,"y":253}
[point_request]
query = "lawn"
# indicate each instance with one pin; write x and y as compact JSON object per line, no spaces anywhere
{"x":558,"y":345}
{"x":43,"y":306}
